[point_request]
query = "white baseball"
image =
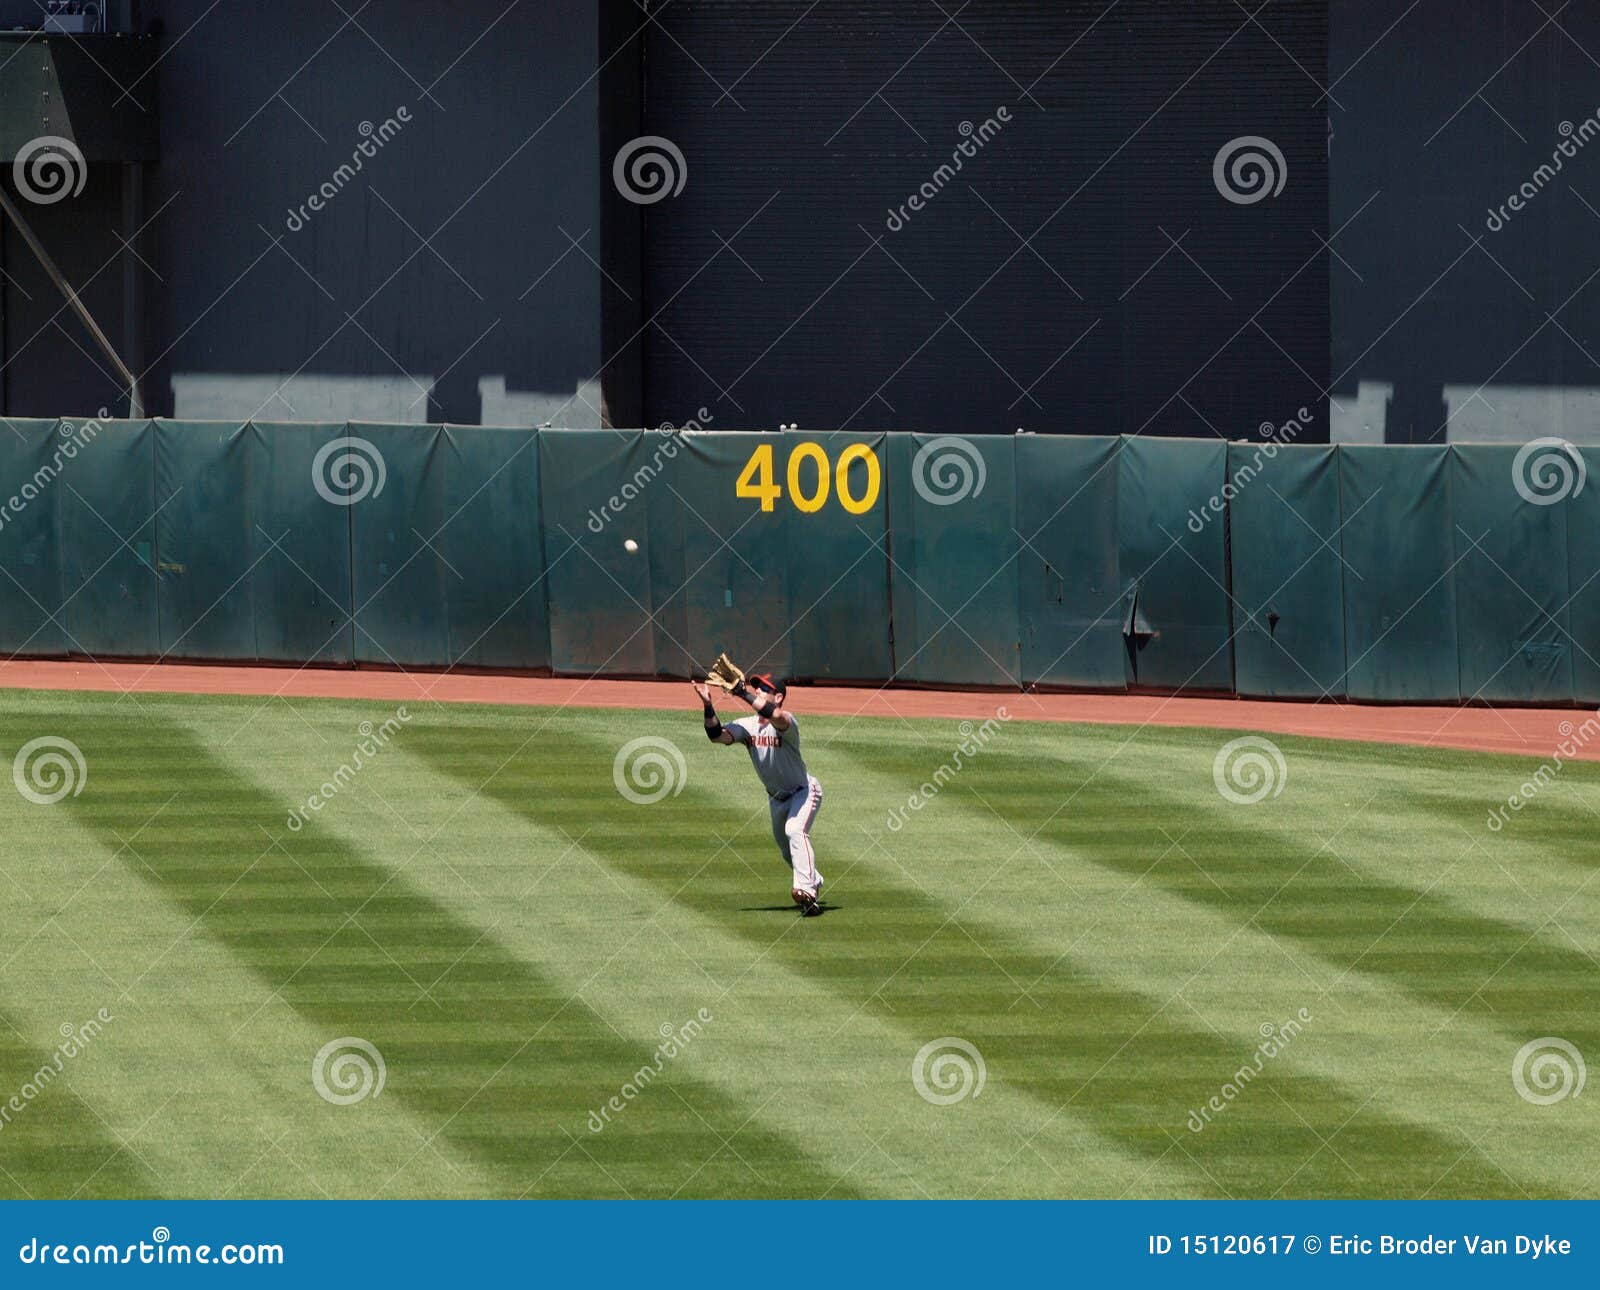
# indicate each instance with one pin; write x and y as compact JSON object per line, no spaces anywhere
{"x":630,"y":546}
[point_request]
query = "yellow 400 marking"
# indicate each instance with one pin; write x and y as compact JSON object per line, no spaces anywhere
{"x":755,"y":480}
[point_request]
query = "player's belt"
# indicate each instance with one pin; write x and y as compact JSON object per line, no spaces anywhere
{"x":784,"y":797}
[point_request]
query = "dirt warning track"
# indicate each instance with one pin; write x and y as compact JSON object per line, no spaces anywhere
{"x":1533,"y":732}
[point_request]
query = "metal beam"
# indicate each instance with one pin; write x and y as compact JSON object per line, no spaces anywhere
{"x":135,"y":399}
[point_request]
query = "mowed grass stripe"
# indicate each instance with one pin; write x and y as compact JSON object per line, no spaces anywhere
{"x":1268,"y":862}
{"x":52,"y":1143}
{"x":1402,"y":1062}
{"x":1461,"y":789}
{"x":561,"y":782}
{"x":1108,"y":1055}
{"x":1399,"y":1057}
{"x":212,"y":1111}
{"x":478,"y":1045}
{"x":779,"y":1045}
{"x":1547,"y":844}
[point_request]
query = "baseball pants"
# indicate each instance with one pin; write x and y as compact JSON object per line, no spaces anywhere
{"x":792,"y":817}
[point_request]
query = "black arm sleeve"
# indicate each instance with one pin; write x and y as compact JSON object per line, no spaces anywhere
{"x":713,"y":724}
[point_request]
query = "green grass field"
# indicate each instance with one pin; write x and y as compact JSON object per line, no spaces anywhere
{"x":515,"y":939}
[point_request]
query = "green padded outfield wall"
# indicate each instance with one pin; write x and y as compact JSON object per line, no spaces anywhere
{"x":1391,"y":574}
{"x":1511,"y":582}
{"x":252,"y":562}
{"x":839,"y":574}
{"x":597,"y":490}
{"x":1069,"y":587}
{"x":497,"y":611}
{"x":800,"y":588}
{"x":721,"y":573}
{"x":1400,"y":593}
{"x":953,"y":559}
{"x":301,"y":578}
{"x":446,"y":550}
{"x":1583,"y":581}
{"x":204,"y":540}
{"x":35,"y":456}
{"x":1283,"y":517}
{"x":107,"y":528}
{"x":398,"y":576}
{"x":1174,"y":579}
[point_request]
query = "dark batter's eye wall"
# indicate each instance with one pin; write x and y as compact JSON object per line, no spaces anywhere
{"x":1068,"y":216}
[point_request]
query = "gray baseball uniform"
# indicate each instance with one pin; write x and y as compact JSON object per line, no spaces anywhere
{"x":795,"y":794}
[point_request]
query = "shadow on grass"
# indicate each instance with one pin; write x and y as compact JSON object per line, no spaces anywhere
{"x":497,"y":1058}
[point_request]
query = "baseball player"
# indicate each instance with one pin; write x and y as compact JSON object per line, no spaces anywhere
{"x":772,"y":738}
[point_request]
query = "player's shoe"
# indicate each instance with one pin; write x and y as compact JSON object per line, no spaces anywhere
{"x":807,"y":900}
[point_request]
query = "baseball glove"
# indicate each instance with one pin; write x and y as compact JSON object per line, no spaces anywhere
{"x":725,"y":674}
